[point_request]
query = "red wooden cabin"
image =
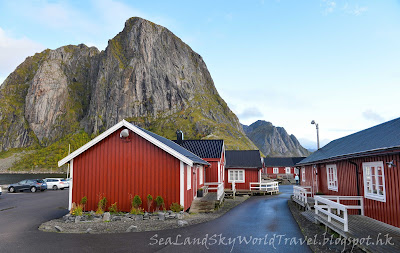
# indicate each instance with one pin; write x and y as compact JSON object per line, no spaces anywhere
{"x":127,"y":160}
{"x":243,"y":167}
{"x":367,"y":164}
{"x":281,"y":166}
{"x":212,"y":151}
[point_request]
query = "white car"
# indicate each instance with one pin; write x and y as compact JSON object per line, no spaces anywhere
{"x":1,"y":191}
{"x":56,"y":183}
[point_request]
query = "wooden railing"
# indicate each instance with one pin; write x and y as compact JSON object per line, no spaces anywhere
{"x":301,"y":194}
{"x":219,"y":187}
{"x":333,"y":209}
{"x":265,"y":186}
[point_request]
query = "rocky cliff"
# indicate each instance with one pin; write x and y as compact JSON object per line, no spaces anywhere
{"x":145,"y":75}
{"x":274,"y":141}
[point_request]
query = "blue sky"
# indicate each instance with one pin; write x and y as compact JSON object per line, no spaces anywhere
{"x":287,"y":62}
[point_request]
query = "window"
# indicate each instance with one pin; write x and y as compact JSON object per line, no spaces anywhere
{"x":201,"y":174}
{"x":296,"y":171}
{"x":236,"y":175}
{"x":287,"y":170}
{"x":276,"y":170}
{"x":374,"y":181}
{"x":331,"y":174}
{"x":303,"y":174}
{"x":189,"y":177}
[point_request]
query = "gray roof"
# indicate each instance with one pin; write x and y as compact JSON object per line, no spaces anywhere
{"x":243,"y":159}
{"x":378,"y":138}
{"x":204,"y":148}
{"x":281,"y":161}
{"x":176,"y":147}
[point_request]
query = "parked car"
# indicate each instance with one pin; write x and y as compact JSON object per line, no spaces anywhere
{"x":56,"y":183}
{"x":32,"y":185}
{"x":67,"y":181}
{"x":1,"y":191}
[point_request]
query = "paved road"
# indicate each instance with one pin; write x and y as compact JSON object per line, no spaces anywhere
{"x":254,"y":226}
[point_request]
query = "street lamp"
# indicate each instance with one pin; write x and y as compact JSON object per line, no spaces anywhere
{"x":316,"y":125}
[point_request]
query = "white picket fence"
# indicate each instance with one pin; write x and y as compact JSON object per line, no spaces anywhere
{"x":270,"y":187}
{"x":333,"y":209}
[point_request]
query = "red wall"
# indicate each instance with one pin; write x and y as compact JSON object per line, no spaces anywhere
{"x":117,"y":169}
{"x":190,"y":194}
{"x":281,"y":170}
{"x":251,"y":176}
{"x":389,"y":211}
{"x":212,"y":171}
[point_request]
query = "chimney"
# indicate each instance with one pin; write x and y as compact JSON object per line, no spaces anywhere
{"x":179,"y":137}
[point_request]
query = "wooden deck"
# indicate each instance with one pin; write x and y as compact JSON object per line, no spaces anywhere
{"x":365,"y":227}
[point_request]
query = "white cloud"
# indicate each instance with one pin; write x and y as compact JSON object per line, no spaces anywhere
{"x":373,"y":116}
{"x":251,"y":112}
{"x":13,"y":52}
{"x":328,"y":6}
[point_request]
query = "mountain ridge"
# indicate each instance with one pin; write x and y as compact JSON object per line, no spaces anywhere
{"x":274,"y":141}
{"x":146,"y":75}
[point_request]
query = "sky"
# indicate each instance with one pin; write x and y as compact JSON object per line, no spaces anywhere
{"x":283,"y":61}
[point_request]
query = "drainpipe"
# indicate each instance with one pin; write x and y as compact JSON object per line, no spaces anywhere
{"x":358,"y":186}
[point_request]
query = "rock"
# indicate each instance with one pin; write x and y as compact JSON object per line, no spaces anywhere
{"x":58,"y":228}
{"x":78,"y":219}
{"x":171,"y":216}
{"x":97,"y":219}
{"x":126,"y":219}
{"x":179,"y":216}
{"x":92,"y":213}
{"x":106,"y":216}
{"x":161,"y":216}
{"x":182,"y":223}
{"x":154,"y":217}
{"x":66,"y":217}
{"x":170,"y":212}
{"x":88,"y":231}
{"x":132,"y":228}
{"x":146,"y":216}
{"x":139,"y":217}
{"x":47,"y":228}
{"x":116,"y":218}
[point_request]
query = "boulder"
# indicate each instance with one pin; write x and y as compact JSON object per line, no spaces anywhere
{"x":179,"y":216}
{"x":65,"y":217}
{"x":106,"y":216}
{"x":139,"y":217}
{"x":58,"y":228}
{"x":132,"y":228}
{"x":77,"y":219}
{"x":182,"y":223}
{"x":161,"y":216}
{"x":88,"y":231}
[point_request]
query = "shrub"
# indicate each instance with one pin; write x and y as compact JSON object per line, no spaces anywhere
{"x":149,"y":202}
{"x":137,"y":201}
{"x":99,"y":211}
{"x":159,"y":202}
{"x":101,"y":206}
{"x":77,"y":210}
{"x":113,"y":208}
{"x":83,"y":202}
{"x":136,"y":211}
{"x":175,"y":207}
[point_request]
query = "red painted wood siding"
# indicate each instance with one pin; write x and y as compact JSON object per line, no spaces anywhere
{"x":251,"y":176}
{"x":389,"y":211}
{"x":212,"y":171}
{"x":190,"y":194}
{"x":281,"y":170}
{"x":117,"y":169}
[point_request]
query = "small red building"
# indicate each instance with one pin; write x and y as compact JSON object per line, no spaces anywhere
{"x":367,"y":164}
{"x":212,"y":151}
{"x":243,"y":167}
{"x":281,"y":166}
{"x":127,"y":160}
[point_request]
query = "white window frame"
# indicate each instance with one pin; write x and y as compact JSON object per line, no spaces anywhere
{"x":231,"y":173}
{"x":189,"y":177}
{"x":370,"y":178}
{"x":275,"y":170}
{"x":303,"y":174}
{"x":201,"y":175}
{"x":287,"y":170}
{"x":331,"y":176}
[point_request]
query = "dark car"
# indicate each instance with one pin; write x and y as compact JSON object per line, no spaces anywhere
{"x":32,"y":185}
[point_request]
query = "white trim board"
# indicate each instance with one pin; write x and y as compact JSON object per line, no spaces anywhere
{"x":134,"y":129}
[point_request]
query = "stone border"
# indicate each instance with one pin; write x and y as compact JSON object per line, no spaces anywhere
{"x":124,"y":223}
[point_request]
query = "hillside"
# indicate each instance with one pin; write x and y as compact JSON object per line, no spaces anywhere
{"x":274,"y":141}
{"x":145,"y":75}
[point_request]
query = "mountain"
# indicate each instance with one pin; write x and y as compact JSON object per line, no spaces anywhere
{"x":274,"y":141}
{"x":145,"y":75}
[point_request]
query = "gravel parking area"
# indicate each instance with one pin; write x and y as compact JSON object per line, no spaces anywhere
{"x":121,"y":226}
